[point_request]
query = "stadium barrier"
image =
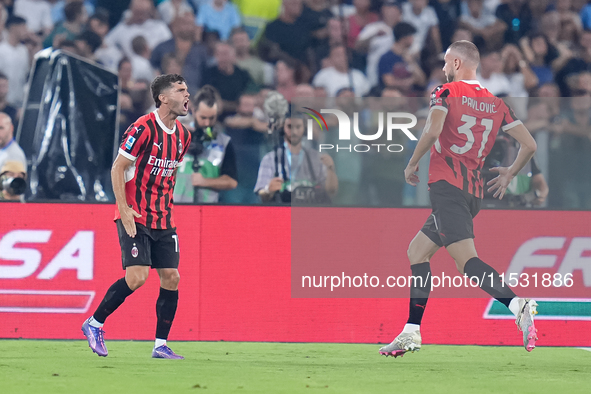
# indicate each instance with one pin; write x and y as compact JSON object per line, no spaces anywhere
{"x":57,"y":260}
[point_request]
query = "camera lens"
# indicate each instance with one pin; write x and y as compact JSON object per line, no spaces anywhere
{"x":17,"y":186}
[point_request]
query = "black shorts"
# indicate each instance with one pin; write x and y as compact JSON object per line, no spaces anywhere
{"x":453,"y":211}
{"x":151,"y":247}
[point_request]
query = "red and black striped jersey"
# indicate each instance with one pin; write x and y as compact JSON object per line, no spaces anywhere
{"x":149,"y":182}
{"x":474,"y":117}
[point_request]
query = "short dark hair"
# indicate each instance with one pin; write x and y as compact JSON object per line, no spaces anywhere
{"x":3,"y":76}
{"x":139,"y":44}
{"x":403,"y":29}
{"x":163,"y":82}
{"x":101,"y":15}
{"x":72,"y":10}
{"x":123,"y":60}
{"x":93,"y":40}
{"x":237,"y":30}
{"x":15,"y":20}
{"x":207,"y":94}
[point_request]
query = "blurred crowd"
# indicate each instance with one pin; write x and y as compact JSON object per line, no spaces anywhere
{"x":532,"y":51}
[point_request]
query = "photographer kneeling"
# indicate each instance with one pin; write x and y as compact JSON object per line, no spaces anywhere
{"x":12,"y":181}
{"x":292,"y":172}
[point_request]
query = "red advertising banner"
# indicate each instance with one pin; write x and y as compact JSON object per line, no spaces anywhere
{"x":57,"y":261}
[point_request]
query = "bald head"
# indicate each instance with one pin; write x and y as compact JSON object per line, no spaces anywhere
{"x":461,"y":61}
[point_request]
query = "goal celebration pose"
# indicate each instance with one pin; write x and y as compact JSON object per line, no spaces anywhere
{"x":143,"y":176}
{"x":460,"y":131}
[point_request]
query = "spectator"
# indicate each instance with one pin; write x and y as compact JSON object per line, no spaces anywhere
{"x":86,"y":44}
{"x":231,"y":81}
{"x":334,"y":38}
{"x":57,"y":9}
{"x":37,"y":13}
{"x":296,"y":166}
{"x":542,"y":56}
{"x":285,"y":82}
{"x":482,"y":24}
{"x":491,"y":74}
{"x":397,"y":68}
{"x":5,"y":106}
{"x":140,"y":63}
{"x":448,"y":12}
{"x":517,"y":16}
{"x":138,"y":91}
{"x":256,"y":14}
{"x":463,"y":34}
{"x":304,"y":90}
{"x":14,"y":59}
{"x":572,"y":156}
{"x":315,"y":16}
{"x":108,"y":55}
{"x":217,"y":15}
{"x":527,"y":189}
{"x":574,"y":64}
{"x":339,"y":75}
{"x":260,"y":72}
{"x":278,"y":40}
{"x":586,"y":17}
{"x":571,"y":25}
{"x":9,"y":149}
{"x":424,"y":20}
{"x":248,"y":137}
{"x":183,"y":46}
{"x":170,"y":64}
{"x":15,"y":173}
{"x":76,"y":18}
{"x":68,"y":46}
{"x":210,"y":164}
{"x":140,"y":22}
{"x":544,"y":110}
{"x":169,"y":10}
{"x":378,"y":37}
{"x":520,"y":75}
{"x":362,"y":17}
{"x":537,"y":9}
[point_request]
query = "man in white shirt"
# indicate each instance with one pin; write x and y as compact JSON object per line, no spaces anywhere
{"x":14,"y":59}
{"x":339,"y":76}
{"x":9,"y":149}
{"x":491,"y":75}
{"x":424,"y":19}
{"x":37,"y":13}
{"x":483,"y":24}
{"x":139,"y":23}
{"x":378,"y":37}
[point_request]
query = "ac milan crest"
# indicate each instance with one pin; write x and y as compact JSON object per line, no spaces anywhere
{"x":134,"y":251}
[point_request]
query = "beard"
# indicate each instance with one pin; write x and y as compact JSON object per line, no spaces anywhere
{"x":450,"y":77}
{"x":294,"y":140}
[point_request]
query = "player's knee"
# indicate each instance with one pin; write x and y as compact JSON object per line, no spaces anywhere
{"x":415,"y":256}
{"x":136,"y":281}
{"x":171,"y":280}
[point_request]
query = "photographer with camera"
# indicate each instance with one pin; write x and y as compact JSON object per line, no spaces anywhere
{"x":12,"y":181}
{"x":9,"y":149}
{"x":210,"y":164}
{"x":292,"y":172}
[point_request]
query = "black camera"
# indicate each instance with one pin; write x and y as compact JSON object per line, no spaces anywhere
{"x":14,"y":186}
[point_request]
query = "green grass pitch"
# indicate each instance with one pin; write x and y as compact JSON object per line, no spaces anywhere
{"x":33,"y":366}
